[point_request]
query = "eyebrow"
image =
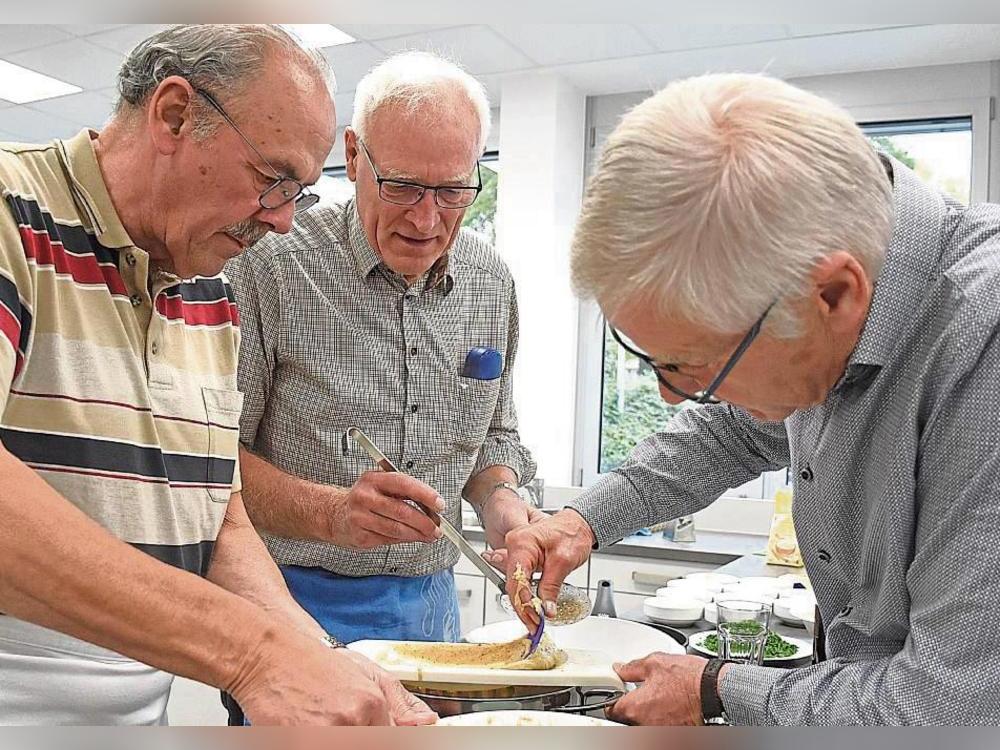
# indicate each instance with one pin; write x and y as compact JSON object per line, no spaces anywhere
{"x":460,"y":181}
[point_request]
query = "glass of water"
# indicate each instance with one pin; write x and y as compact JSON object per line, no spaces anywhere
{"x":742,"y":630}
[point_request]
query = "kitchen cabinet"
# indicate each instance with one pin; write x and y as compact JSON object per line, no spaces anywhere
{"x":639,"y":575}
{"x":470,"y":590}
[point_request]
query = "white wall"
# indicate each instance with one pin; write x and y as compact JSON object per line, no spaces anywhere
{"x":540,"y":190}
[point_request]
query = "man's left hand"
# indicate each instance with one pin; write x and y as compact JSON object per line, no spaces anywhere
{"x":504,"y":511}
{"x":670,"y":693}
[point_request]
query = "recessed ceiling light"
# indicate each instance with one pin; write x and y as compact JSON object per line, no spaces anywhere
{"x":318,"y":34}
{"x":20,"y":85}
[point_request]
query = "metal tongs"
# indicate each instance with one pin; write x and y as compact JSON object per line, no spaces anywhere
{"x":453,"y":534}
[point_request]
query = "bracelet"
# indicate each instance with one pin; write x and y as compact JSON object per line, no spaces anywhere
{"x":712,"y":710}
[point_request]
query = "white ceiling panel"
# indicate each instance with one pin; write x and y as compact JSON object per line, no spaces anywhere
{"x":677,"y":36}
{"x":88,"y":107}
{"x":15,"y":37}
{"x":368,"y":31}
{"x":556,"y":43}
{"x":82,"y":29}
{"x":36,"y":127}
{"x":814,"y":29}
{"x":124,"y":38}
{"x":351,"y":61}
{"x":76,"y":61}
{"x":478,"y":48}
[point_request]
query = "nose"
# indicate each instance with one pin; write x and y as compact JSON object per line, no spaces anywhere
{"x":424,"y":214}
{"x":278,"y":219}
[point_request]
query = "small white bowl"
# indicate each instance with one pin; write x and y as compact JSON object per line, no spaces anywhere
{"x":804,"y":613}
{"x":693,"y":589}
{"x":679,"y":610}
{"x":714,"y":581}
{"x":784,"y":610}
{"x":766,"y":582}
{"x":750,"y":593}
{"x":790,"y":579}
{"x":793,"y":594}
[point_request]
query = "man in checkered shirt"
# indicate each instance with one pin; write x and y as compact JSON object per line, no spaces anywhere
{"x":366,"y":315}
{"x":729,"y":206}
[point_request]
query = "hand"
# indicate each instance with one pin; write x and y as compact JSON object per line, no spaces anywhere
{"x":670,"y":693}
{"x":504,"y":511}
{"x":299,"y":681}
{"x":557,"y":546}
{"x":374,"y":512}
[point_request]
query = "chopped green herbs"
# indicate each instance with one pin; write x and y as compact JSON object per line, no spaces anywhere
{"x":776,"y":647}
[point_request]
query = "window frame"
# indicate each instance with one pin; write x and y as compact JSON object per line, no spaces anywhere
{"x":590,"y":329}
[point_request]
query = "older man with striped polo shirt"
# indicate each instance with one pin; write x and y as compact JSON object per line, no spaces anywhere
{"x":119,"y":414}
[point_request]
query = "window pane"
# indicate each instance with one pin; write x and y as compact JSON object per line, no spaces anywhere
{"x":631,"y":407}
{"x":481,"y":215}
{"x":333,"y":187}
{"x":939,"y":151}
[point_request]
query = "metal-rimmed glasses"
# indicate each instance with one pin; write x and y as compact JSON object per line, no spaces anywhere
{"x":408,"y":193}
{"x":706,"y":396}
{"x":284,"y":189}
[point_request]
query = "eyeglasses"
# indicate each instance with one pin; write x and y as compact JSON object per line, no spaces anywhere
{"x":284,"y":189}
{"x":705,"y":396}
{"x":406,"y":193}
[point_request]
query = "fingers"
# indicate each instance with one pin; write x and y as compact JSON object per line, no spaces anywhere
{"x":634,"y":671}
{"x":404,"y":487}
{"x":553,"y":574}
{"x":625,"y":709}
{"x":405,"y":709}
{"x":397,"y":520}
{"x":497,"y":558}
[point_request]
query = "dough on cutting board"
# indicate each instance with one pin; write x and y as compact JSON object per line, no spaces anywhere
{"x":489,"y":655}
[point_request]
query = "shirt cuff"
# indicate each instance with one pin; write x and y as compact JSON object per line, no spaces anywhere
{"x":614,"y":508}
{"x":745,"y":691}
{"x":499,"y":451}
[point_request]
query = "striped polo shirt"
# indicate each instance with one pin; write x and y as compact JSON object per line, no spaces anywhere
{"x":117,"y":380}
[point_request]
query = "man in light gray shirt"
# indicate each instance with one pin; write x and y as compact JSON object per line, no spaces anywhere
{"x":745,"y":240}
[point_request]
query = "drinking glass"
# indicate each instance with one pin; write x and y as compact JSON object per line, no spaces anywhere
{"x":742,"y":630}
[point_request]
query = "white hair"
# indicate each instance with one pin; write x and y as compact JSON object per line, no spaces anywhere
{"x":718,"y":195}
{"x":416,"y":80}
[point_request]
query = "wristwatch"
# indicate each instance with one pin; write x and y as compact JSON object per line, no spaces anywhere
{"x":502,"y":486}
{"x":712,"y":710}
{"x":330,"y":642}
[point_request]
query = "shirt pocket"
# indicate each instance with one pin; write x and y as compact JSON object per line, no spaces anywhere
{"x":222,"y":410}
{"x":474,"y":403}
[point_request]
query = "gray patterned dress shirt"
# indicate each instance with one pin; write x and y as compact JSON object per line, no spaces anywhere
{"x":332,"y":338}
{"x":897,"y":489}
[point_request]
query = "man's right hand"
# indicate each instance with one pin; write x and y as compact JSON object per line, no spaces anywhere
{"x":373,"y":512}
{"x":556,"y":546}
{"x":297,"y":680}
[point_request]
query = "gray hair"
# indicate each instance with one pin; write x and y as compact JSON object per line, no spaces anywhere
{"x":215,"y":57}
{"x":417,"y":79}
{"x":719,"y":194}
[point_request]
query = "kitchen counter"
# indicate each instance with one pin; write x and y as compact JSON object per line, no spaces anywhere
{"x":711,"y":547}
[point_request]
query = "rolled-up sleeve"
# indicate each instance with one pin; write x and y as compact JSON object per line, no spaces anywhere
{"x":502,"y":446}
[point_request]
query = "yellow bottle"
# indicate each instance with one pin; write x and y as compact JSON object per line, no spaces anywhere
{"x":782,"y":546}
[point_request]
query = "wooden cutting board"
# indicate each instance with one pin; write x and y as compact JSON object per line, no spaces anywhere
{"x":582,"y":668}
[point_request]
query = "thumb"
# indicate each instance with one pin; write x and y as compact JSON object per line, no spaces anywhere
{"x":633,"y":671}
{"x":405,"y":709}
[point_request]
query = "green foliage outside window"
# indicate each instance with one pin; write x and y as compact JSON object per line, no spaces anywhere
{"x":481,"y":215}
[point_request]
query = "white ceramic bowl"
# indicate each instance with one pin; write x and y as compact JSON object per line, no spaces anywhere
{"x":805,"y":613}
{"x":622,"y":640}
{"x":783,"y":610}
{"x":692,"y":589}
{"x":750,"y":593}
{"x":790,"y":579}
{"x":767,"y":582}
{"x":679,"y":610}
{"x":711,"y":614}
{"x":715,"y":581}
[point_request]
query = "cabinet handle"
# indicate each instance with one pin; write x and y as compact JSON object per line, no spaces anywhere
{"x":657,"y":580}
{"x":464,"y":595}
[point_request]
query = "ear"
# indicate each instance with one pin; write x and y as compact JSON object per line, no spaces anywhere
{"x":351,"y":154}
{"x":843,"y":291}
{"x":169,"y":113}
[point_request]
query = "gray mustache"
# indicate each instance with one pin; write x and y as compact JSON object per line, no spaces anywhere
{"x":248,"y":232}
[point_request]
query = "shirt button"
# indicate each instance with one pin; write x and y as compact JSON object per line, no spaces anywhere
{"x":806,"y":475}
{"x":130,"y":259}
{"x":409,"y":464}
{"x":413,"y":351}
{"x":155,"y":348}
{"x":136,"y":300}
{"x":413,"y":408}
{"x":393,"y":570}
{"x":846,"y":611}
{"x":823,"y":555}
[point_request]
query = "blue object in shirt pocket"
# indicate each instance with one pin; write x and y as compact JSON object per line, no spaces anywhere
{"x":482,"y":363}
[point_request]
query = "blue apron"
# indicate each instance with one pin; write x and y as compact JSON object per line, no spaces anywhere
{"x":378,"y":607}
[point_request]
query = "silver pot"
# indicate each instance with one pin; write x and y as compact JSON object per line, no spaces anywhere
{"x":452,"y":700}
